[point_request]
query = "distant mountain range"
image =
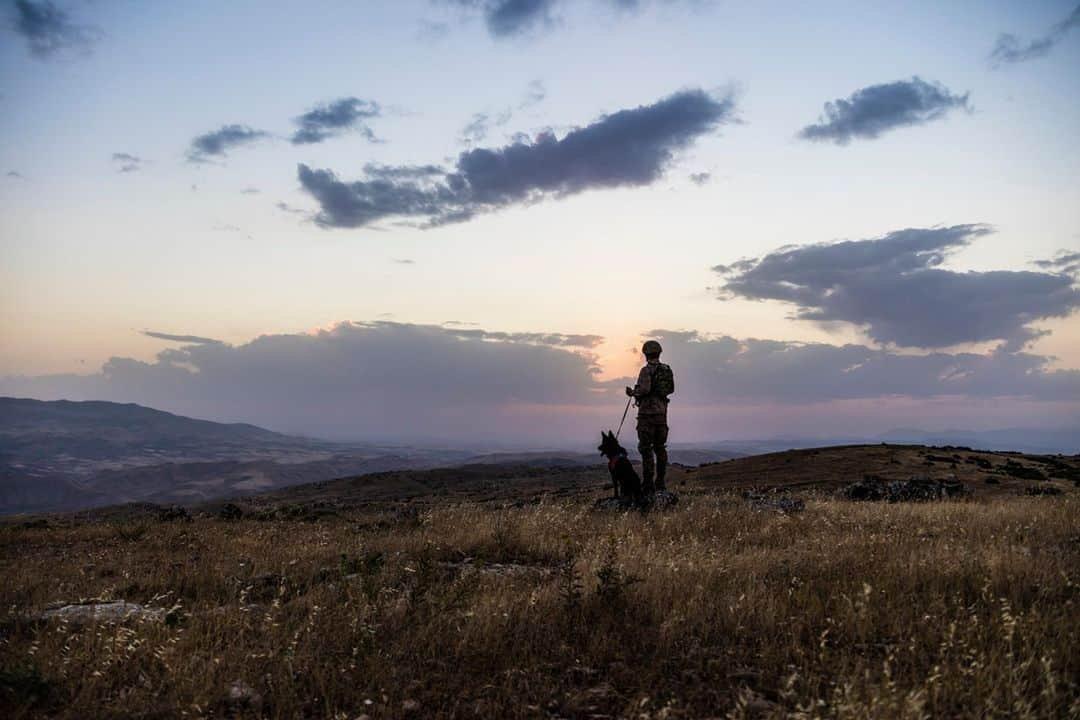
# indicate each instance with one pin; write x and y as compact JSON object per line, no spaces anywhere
{"x":62,"y":455}
{"x":1030,"y":440}
{"x":65,"y":455}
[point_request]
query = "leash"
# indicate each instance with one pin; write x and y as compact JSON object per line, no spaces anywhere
{"x":623,"y":417}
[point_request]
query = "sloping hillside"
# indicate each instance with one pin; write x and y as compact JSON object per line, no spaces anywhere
{"x":813,"y":471}
{"x":984,"y":472}
{"x":62,"y":455}
{"x":71,"y":435}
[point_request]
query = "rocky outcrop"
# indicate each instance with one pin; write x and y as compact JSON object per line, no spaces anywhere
{"x":96,"y":611}
{"x":915,"y":489}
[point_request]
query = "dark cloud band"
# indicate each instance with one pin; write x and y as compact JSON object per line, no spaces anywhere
{"x":894,"y":288}
{"x":335,"y":118}
{"x":48,"y":30}
{"x":190,"y":339}
{"x":367,"y":378}
{"x":218,"y":143}
{"x":627,"y":148}
{"x":401,"y":380}
{"x":876,"y":109}
{"x":512,"y":18}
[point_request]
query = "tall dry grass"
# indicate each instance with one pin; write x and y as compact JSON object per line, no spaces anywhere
{"x":711,"y":609}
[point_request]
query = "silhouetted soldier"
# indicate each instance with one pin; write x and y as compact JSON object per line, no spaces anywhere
{"x":655,"y":382}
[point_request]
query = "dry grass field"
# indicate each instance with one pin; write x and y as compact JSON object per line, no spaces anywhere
{"x":715,"y":608}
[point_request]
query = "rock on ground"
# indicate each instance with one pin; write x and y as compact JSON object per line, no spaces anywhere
{"x":917,"y":488}
{"x":775,"y":501}
{"x":656,"y":501}
{"x":1043,"y":490}
{"x":118,"y":611}
{"x":241,"y":696}
{"x":663,"y":499}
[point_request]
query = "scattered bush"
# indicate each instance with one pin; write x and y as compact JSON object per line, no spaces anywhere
{"x":1023,"y":472}
{"x":132,"y":532}
{"x":23,"y":688}
{"x":173,"y":514}
{"x":230,"y":512}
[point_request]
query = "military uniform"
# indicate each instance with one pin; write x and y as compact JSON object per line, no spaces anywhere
{"x":652,"y":427}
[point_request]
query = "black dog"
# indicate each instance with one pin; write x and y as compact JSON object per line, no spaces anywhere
{"x":623,"y":476}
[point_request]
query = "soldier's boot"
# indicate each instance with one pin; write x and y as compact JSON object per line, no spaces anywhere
{"x":647,"y":470}
{"x":661,"y":467}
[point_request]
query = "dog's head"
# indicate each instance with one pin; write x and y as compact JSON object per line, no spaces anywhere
{"x":609,"y":446}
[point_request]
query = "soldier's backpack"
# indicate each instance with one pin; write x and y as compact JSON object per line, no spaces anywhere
{"x":663,"y":381}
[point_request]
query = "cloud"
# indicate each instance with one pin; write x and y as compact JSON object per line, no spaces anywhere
{"x":534,"y":94}
{"x":402,"y":172}
{"x":506,"y":18}
{"x":217,"y":143}
{"x":701,"y":178}
{"x":396,"y":380}
{"x":335,"y":118}
{"x":894,"y":288}
{"x":1009,"y":49}
{"x":366,"y":378}
{"x":1067,"y":263}
{"x":480,"y":124}
{"x":286,"y":207}
{"x":628,"y":148}
{"x":127,"y":162}
{"x":476,"y":129}
{"x":719,"y":369}
{"x":514,"y":18}
{"x":879,"y":108}
{"x":552,"y":339}
{"x":192,"y":339}
{"x":48,"y":30}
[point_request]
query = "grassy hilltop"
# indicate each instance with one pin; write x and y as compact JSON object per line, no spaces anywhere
{"x":469,"y":605}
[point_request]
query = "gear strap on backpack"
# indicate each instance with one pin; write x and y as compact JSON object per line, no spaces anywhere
{"x":663,"y":381}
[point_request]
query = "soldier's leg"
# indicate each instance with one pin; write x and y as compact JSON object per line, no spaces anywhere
{"x":660,"y":448}
{"x":645,"y":447}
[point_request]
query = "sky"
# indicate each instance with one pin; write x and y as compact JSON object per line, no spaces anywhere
{"x":459,"y":219}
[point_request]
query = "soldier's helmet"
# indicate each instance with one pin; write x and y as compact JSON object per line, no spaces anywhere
{"x":651,"y":347}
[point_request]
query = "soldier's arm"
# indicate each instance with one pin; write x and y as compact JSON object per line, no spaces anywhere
{"x":644,"y":383}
